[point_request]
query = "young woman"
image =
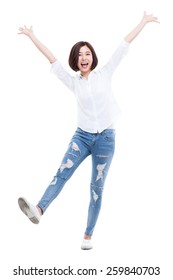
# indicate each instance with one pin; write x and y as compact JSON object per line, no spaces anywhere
{"x":97,"y":114}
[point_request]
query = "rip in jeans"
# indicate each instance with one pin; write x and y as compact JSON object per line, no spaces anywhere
{"x":69,"y":163}
{"x":100,"y":168}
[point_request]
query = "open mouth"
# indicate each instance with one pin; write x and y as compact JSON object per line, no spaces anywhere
{"x":84,"y":65}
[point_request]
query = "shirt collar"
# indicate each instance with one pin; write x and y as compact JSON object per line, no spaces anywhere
{"x":83,"y":78}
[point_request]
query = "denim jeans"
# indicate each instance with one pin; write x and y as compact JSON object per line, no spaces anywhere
{"x":101,"y":148}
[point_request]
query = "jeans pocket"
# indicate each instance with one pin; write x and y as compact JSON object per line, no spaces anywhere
{"x":109,"y":135}
{"x":80,"y":131}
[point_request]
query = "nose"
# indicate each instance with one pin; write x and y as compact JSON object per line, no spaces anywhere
{"x":83,"y":56}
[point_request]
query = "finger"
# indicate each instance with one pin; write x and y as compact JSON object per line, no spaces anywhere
{"x":21,"y":30}
{"x":155,"y":19}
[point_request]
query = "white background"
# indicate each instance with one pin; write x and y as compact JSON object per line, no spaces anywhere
{"x":38,"y":118}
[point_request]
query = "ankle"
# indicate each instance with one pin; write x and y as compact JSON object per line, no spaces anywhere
{"x":87,"y":237}
{"x":39,"y":210}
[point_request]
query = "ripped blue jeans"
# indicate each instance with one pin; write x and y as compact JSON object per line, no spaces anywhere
{"x":101,"y":148}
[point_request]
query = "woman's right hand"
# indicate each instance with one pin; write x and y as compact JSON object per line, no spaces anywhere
{"x":25,"y":30}
{"x":42,"y":48}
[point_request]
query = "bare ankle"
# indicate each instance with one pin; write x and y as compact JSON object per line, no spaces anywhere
{"x":88,"y":237}
{"x":39,"y":210}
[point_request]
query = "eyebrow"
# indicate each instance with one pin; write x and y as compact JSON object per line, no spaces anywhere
{"x":85,"y":52}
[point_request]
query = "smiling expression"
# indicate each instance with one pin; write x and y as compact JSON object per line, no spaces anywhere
{"x":85,"y":61}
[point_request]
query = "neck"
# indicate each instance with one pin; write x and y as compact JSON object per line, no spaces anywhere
{"x":85,"y":75}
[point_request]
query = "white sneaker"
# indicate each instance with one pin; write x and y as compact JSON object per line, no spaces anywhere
{"x":86,"y":244}
{"x":29,"y":210}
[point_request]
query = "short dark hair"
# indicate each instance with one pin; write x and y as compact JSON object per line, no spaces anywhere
{"x":74,"y":55}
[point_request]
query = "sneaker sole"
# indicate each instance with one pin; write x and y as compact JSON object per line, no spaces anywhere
{"x":26,"y":210}
{"x":85,"y":248}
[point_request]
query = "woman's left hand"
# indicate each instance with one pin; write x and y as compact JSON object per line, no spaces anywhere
{"x":149,"y":18}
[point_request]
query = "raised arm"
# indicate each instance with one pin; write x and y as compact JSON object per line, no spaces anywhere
{"x":44,"y":50}
{"x":135,"y":32}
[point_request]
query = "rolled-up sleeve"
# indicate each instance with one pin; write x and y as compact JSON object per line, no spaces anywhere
{"x":62,"y":74}
{"x":117,"y":56}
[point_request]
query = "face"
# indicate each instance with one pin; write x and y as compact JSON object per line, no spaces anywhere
{"x":85,"y":61}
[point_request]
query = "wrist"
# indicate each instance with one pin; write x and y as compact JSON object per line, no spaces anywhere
{"x":143,"y":22}
{"x":31,"y":36}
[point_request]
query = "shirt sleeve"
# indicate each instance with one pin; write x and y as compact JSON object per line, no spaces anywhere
{"x":62,"y":74}
{"x":117,"y":56}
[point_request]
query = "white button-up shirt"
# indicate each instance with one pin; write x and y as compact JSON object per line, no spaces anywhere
{"x":97,"y":107}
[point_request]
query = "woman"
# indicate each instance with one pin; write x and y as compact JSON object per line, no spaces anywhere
{"x":97,"y":114}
